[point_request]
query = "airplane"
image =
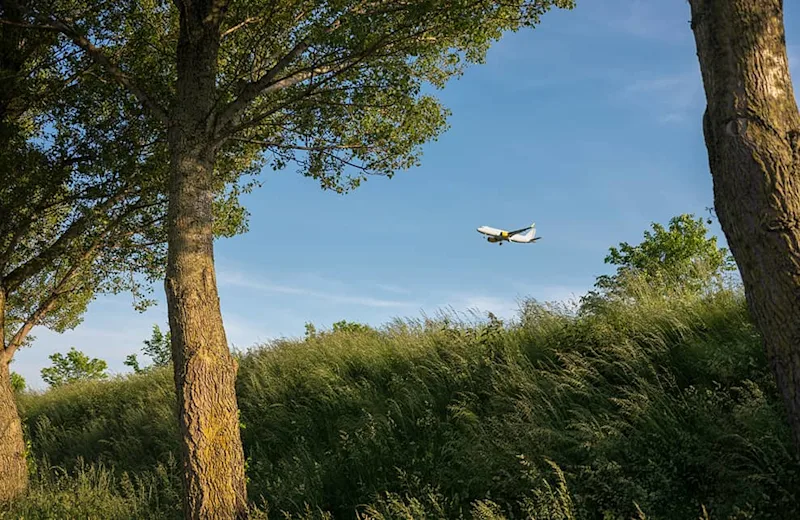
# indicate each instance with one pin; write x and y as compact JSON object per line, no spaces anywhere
{"x":500,"y":235}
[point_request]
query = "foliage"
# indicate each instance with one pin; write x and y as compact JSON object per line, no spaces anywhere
{"x":652,"y":410}
{"x":341,"y":326}
{"x":75,"y":366}
{"x":17,"y":382}
{"x":71,"y":227}
{"x":133,"y":362}
{"x":350,"y":327}
{"x":331,"y":86}
{"x":82,"y":186}
{"x":679,"y":259}
{"x":678,"y":249}
{"x":157,"y":348}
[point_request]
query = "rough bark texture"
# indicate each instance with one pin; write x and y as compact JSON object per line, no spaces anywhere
{"x":751,"y":128}
{"x":13,"y":468}
{"x":205,"y":370}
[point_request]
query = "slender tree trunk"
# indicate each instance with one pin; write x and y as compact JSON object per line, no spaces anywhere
{"x":13,"y":468}
{"x":751,"y":128}
{"x":205,"y":370}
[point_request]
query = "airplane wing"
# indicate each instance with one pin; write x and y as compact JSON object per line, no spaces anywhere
{"x":516,"y":231}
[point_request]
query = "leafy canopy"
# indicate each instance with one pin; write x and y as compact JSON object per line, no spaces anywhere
{"x":157,"y":348}
{"x":329,"y":86}
{"x":341,"y":326}
{"x":83,"y":183}
{"x":75,"y":366}
{"x":680,"y":258}
{"x":17,"y":382}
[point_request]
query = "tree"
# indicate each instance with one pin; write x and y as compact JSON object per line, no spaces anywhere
{"x":330,"y":86}
{"x":19,"y":89}
{"x":341,"y":326}
{"x":59,"y":204}
{"x":82,"y":200}
{"x":17,"y":382}
{"x":75,"y":366}
{"x":157,"y":348}
{"x":349,"y":327}
{"x":751,"y":127}
{"x":679,"y":259}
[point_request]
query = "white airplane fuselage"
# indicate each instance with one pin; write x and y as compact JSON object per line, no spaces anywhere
{"x":500,"y":235}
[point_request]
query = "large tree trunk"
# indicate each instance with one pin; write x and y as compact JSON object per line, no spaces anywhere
{"x":205,"y":371}
{"x":13,"y":468}
{"x":751,"y":128}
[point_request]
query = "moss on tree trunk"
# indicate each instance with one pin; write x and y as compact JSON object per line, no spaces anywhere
{"x":205,"y":370}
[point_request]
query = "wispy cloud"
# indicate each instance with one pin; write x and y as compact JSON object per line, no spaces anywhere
{"x":553,"y":293}
{"x":392,"y":288}
{"x":235,"y":279}
{"x":657,"y":84}
{"x":670,"y":98}
{"x":647,"y":19}
{"x":500,"y":307}
{"x":508,"y":307}
{"x":242,"y":333}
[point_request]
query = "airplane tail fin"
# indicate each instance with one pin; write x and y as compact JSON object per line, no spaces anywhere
{"x":528,"y":236}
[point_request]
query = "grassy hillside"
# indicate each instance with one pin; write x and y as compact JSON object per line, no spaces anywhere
{"x":654,"y":410}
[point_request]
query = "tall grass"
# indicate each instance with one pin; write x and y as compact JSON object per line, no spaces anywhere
{"x":660,"y":409}
{"x":93,"y":492}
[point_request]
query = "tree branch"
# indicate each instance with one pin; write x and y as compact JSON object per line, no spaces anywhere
{"x":345,"y":161}
{"x":267,"y":83}
{"x":308,"y":93}
{"x":252,"y":90}
{"x":44,"y":307}
{"x":48,"y":304}
{"x":23,"y":25}
{"x":248,"y":21}
{"x":97,"y":55}
{"x":275,"y":144}
{"x":16,"y":237}
{"x":16,"y":277}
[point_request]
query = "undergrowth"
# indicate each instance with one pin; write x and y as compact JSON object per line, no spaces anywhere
{"x":662,"y":409}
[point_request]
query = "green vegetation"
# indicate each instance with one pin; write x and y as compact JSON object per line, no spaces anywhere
{"x":17,"y":382}
{"x":648,"y":407}
{"x":75,"y":366}
{"x":108,"y":118}
{"x":681,"y":259}
{"x":157,"y":348}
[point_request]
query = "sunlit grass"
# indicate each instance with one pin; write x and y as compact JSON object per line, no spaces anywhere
{"x":656,"y":409}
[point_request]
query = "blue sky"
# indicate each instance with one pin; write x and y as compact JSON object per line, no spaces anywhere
{"x":589,"y":125}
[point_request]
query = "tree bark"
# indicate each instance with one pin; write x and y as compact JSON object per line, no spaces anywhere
{"x":13,"y":467}
{"x":751,"y":127}
{"x":204,"y":369}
